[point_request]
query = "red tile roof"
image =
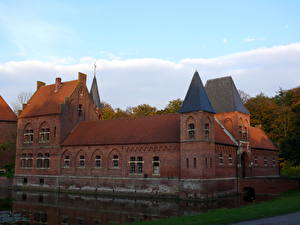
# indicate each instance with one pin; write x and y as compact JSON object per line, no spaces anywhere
{"x":143,"y":130}
{"x":150,"y":129}
{"x":221,"y":137}
{"x":258,"y":139}
{"x":46,"y":101}
{"x":5,"y":111}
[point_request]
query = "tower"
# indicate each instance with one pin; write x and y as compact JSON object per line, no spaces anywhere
{"x":197,"y":132}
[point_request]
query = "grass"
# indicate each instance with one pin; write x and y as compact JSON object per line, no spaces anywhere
{"x":287,"y":203}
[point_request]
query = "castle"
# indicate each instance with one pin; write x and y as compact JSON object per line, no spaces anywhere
{"x":62,"y":143}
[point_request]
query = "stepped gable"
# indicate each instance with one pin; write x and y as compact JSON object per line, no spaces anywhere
{"x":224,"y":96}
{"x":258,"y":139}
{"x":196,"y":98}
{"x":46,"y":100}
{"x":6,"y":113}
{"x":94,"y":93}
{"x":143,"y":130}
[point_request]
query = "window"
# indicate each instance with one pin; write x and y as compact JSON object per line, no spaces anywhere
{"x":115,"y":161}
{"x":210,"y":162}
{"x":28,"y":136}
{"x":81,"y":161}
{"x":245,"y":133}
{"x":46,"y":160}
{"x":206,"y":131}
{"x":43,"y":161}
{"x":29,"y":160}
{"x":156,"y":165}
{"x":136,"y":165}
{"x":187,"y":163}
{"x":25,"y":181}
{"x":274,"y":162}
{"x":98,"y":161}
{"x":206,"y":163}
{"x":140,"y":165}
{"x":23,"y":160}
{"x":39,"y":160}
{"x":191,"y":131}
{"x":221,"y":160}
{"x":42,"y":181}
{"x":255,"y":161}
{"x":80,"y":109}
{"x":230,"y":160}
{"x":265,"y":162}
{"x":195,"y":162}
{"x":67,"y":161}
{"x":241,"y":131}
{"x":44,"y":135}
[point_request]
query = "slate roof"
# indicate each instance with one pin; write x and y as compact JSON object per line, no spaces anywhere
{"x":6,"y":113}
{"x":94,"y":93}
{"x":224,"y":96}
{"x":258,"y":139}
{"x":196,"y":98}
{"x":46,"y":101}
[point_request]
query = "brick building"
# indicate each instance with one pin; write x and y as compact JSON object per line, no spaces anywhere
{"x":200,"y":151}
{"x":8,"y":130}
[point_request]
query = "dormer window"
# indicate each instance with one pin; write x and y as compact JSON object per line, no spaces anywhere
{"x":206,"y":131}
{"x":191,"y":131}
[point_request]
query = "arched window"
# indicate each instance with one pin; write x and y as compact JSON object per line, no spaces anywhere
{"x":39,"y":160}
{"x":81,"y":161}
{"x":29,"y":160}
{"x":115,"y":161}
{"x":206,"y":131}
{"x":28,"y":134}
{"x":98,"y":161}
{"x":156,"y":165}
{"x":191,"y":130}
{"x":23,"y":160}
{"x":44,"y":133}
{"x":67,"y":161}
{"x":245,"y":133}
{"x":46,"y":160}
{"x":195,"y":162}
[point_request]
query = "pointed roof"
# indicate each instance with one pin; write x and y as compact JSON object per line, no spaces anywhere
{"x":196,"y":98}
{"x":6,"y":113}
{"x":46,"y":100}
{"x":94,"y":93}
{"x":224,"y":96}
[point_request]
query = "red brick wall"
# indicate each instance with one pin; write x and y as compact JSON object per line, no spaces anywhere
{"x":7,"y":134}
{"x":228,"y":167}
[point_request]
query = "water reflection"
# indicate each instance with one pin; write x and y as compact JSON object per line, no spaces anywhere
{"x":70,"y":209}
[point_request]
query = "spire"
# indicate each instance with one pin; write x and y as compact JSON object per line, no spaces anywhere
{"x":224,"y":96}
{"x":94,"y":93}
{"x":196,"y":98}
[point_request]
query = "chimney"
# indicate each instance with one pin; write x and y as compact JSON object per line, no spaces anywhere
{"x":39,"y":84}
{"x":82,"y":77}
{"x":57,"y":84}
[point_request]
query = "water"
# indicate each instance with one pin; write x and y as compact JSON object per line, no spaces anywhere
{"x":20,"y":207}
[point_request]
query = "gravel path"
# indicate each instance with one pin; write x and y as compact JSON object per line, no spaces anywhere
{"x":287,"y":219}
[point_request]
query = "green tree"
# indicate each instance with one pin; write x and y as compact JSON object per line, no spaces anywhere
{"x":172,"y":107}
{"x":143,"y":110}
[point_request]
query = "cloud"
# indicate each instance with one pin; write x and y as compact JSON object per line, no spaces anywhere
{"x":156,"y":81}
{"x":225,"y":41}
{"x":252,"y":39}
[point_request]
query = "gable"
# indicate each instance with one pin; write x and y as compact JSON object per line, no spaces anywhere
{"x":6,"y":113}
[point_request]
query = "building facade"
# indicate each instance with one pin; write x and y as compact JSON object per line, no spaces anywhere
{"x":8,"y":131}
{"x":202,"y":151}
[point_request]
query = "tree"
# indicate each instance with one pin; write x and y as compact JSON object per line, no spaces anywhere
{"x":143,"y":110}
{"x":107,"y":112}
{"x":22,"y":98}
{"x":244,"y":96}
{"x":172,"y":107}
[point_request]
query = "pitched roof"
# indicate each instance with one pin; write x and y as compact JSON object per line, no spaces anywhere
{"x":221,"y":137}
{"x":150,"y":129}
{"x":258,"y":139}
{"x":46,"y":101}
{"x":6,"y":112}
{"x":94,"y":93}
{"x":196,"y":98}
{"x":224,"y":96}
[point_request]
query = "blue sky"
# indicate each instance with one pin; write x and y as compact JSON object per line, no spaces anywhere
{"x":136,"y":29}
{"x":151,"y":42}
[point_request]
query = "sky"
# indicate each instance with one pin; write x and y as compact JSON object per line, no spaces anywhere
{"x":147,"y":51}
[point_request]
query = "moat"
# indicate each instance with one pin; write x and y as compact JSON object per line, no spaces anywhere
{"x":23,"y":207}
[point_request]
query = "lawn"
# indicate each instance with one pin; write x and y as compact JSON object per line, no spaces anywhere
{"x":286,"y":203}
